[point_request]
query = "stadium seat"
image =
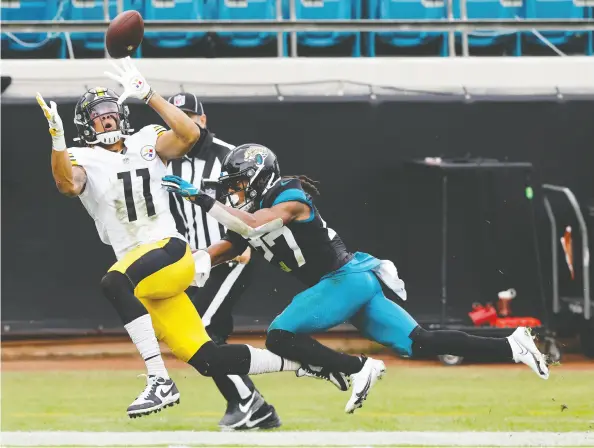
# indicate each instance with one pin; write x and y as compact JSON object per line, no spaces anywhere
{"x":94,"y":10}
{"x":174,"y":10}
{"x":406,"y":9}
{"x":29,"y":10}
{"x":490,"y":9}
{"x":245,"y":10}
{"x":555,"y":9}
{"x":328,"y":10}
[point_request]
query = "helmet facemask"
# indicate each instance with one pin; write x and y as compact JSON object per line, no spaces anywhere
{"x":102,"y":121}
{"x":248,"y":182}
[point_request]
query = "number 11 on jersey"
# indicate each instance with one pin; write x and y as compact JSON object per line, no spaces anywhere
{"x":126,"y":177}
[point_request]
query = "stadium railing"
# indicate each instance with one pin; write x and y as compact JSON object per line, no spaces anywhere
{"x":451,"y":26}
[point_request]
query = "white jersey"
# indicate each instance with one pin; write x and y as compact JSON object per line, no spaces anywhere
{"x":123,"y":193}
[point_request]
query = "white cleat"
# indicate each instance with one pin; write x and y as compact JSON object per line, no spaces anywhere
{"x":363,"y":381}
{"x":159,"y":393}
{"x":524,"y":350}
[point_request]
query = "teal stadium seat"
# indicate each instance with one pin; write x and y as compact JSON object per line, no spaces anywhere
{"x":245,"y":10}
{"x":328,"y":10}
{"x":491,"y":9}
{"x":29,"y":10}
{"x":174,"y":10}
{"x":94,"y":10}
{"x":558,"y":9}
{"x":406,"y":9}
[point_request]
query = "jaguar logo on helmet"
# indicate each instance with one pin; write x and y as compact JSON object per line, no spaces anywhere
{"x":256,"y":154}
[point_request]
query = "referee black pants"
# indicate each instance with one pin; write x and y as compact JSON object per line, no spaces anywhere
{"x":215,"y":302}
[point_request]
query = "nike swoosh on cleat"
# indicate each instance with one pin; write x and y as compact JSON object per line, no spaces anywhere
{"x":164,"y":393}
{"x":537,"y":361}
{"x":252,"y":423}
{"x":365,"y":389}
{"x":245,"y":408}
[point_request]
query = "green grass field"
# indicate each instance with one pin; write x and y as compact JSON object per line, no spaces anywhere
{"x":464,"y":398}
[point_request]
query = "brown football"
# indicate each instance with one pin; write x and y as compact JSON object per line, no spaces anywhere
{"x":124,"y":34}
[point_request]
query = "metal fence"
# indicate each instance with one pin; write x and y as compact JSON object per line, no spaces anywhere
{"x":450,"y":25}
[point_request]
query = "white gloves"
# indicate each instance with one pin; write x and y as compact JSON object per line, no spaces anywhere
{"x":56,"y":128}
{"x":202,"y":267}
{"x":134,"y":84}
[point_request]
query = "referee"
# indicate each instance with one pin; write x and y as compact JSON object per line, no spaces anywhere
{"x":246,"y":408}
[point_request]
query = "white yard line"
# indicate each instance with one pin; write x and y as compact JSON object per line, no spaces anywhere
{"x":306,"y":438}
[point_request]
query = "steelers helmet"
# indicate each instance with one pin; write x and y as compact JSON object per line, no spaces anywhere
{"x":96,"y":104}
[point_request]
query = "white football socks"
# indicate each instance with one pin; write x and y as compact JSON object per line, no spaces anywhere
{"x":143,"y":335}
{"x":242,"y":389}
{"x":263,"y":361}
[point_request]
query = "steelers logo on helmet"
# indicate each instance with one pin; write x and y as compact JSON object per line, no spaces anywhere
{"x":148,"y":153}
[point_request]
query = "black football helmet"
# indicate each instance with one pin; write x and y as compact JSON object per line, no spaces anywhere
{"x":251,"y":168}
{"x":95,"y":104}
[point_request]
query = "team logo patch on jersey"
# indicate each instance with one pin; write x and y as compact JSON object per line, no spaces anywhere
{"x":256,"y":154}
{"x":148,"y":153}
{"x":179,"y":100}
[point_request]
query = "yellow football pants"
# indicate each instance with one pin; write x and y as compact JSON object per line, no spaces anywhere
{"x":160,"y":273}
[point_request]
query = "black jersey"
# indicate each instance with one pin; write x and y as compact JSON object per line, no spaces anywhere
{"x":307,"y":249}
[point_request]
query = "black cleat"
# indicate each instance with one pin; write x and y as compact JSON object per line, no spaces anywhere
{"x":251,"y":413}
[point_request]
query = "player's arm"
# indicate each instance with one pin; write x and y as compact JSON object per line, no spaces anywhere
{"x":69,"y":180}
{"x":223,"y":251}
{"x":183,"y":134}
{"x":248,"y":225}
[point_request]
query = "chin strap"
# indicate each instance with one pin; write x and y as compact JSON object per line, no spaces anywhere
{"x":109,"y":138}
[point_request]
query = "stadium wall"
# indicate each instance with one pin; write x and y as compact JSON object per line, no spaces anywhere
{"x":53,"y":260}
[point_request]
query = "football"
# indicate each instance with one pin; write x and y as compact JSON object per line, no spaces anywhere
{"x":124,"y":34}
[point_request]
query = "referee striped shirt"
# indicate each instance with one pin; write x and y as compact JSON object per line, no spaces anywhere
{"x":204,"y":161}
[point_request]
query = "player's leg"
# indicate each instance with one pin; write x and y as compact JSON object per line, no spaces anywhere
{"x":214,"y":303}
{"x":518,"y":347}
{"x":178,"y":324}
{"x":332,"y":301}
{"x":246,"y":407}
{"x":389,"y":324}
{"x":315,"y":310}
{"x":121,"y":286}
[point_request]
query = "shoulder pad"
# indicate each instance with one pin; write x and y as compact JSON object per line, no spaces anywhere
{"x":285,"y":190}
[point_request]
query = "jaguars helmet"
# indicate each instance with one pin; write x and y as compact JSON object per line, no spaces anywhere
{"x":93,"y":105}
{"x":251,"y":168}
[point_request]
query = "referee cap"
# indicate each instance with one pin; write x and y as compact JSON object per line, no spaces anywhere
{"x":187,"y":102}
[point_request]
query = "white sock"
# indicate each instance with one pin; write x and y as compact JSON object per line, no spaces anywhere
{"x":143,"y":335}
{"x":242,"y":389}
{"x":263,"y":361}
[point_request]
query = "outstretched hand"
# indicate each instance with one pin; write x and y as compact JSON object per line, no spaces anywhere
{"x":134,"y":84}
{"x":56,"y":127}
{"x":176,"y":185}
